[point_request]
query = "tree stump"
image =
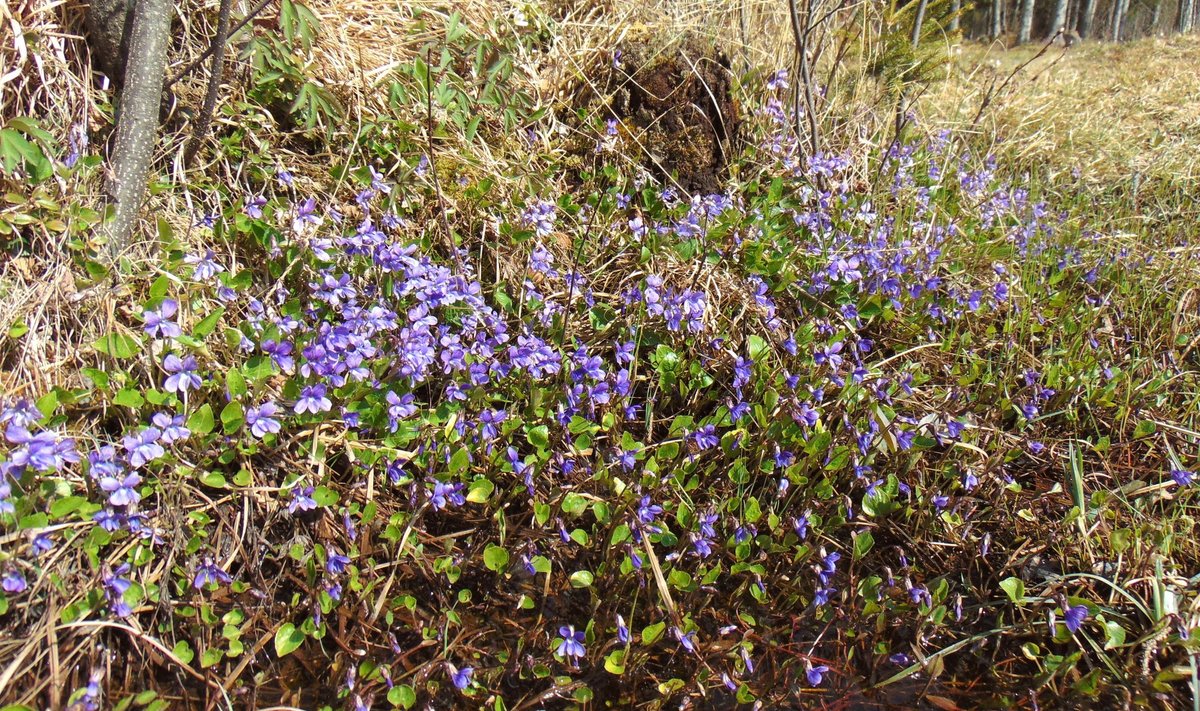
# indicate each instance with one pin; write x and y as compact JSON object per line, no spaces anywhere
{"x":674,"y":106}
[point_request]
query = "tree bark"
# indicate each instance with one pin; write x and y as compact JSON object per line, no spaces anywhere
{"x":204,"y":120}
{"x":1155,"y":17}
{"x":137,"y":123}
{"x":1185,"y":15}
{"x":1118,"y":18}
{"x":1026,"y":27}
{"x":107,"y":24}
{"x":955,"y":11}
{"x":997,"y":19}
{"x":1086,"y":18}
{"x":1059,"y":21}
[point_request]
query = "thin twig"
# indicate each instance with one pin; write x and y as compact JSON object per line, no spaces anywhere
{"x":212,"y":48}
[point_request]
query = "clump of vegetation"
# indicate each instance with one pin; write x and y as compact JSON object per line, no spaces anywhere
{"x":445,"y":417}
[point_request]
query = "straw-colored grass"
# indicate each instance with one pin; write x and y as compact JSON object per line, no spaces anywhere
{"x":1112,"y":111}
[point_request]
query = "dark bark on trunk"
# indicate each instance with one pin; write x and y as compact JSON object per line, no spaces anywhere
{"x":107,"y":24}
{"x":137,"y":125}
{"x":1086,"y":18}
{"x":204,"y":120}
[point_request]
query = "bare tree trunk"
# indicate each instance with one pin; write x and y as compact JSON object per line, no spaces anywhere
{"x":1059,"y":21}
{"x":1086,"y":18}
{"x":137,"y":124}
{"x":805,"y":89}
{"x":108,"y":37}
{"x":997,"y":19}
{"x":918,"y":21}
{"x":204,"y":120}
{"x":1185,"y":15}
{"x":1154,"y":18}
{"x":1120,"y":7}
{"x":1026,"y":27}
{"x":955,"y":11}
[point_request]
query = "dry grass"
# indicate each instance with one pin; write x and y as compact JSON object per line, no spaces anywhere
{"x":1112,"y":111}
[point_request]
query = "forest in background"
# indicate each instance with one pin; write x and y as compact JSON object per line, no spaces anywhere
{"x":1114,"y":21}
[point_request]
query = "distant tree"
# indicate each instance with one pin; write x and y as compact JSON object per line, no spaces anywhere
{"x":1025,"y":29}
{"x":1186,"y":15}
{"x":1087,"y":16}
{"x":149,"y":32}
{"x":955,"y":15}
{"x":1058,"y":22}
{"x":918,"y":21}
{"x":997,"y":18}
{"x":1117,"y":20}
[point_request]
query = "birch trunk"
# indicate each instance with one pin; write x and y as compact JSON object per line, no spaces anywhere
{"x":1086,"y":18}
{"x":137,"y":123}
{"x":1059,"y":21}
{"x":1026,"y":27}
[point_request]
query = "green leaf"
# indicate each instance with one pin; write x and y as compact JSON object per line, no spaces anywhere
{"x":235,"y":383}
{"x":495,"y":558}
{"x":201,"y":421}
{"x":117,"y":345}
{"x":863,"y":543}
{"x":1114,"y":635}
{"x":184,"y":651}
{"x":1014,"y":587}
{"x":288,"y":639}
{"x":324,"y":496}
{"x":620,"y":534}
{"x":582,"y":579}
{"x":48,"y":403}
{"x":145,"y":697}
{"x":159,"y":288}
{"x":614,"y":663}
{"x":651,"y":633}
{"x":1145,"y":428}
{"x":480,"y":491}
{"x":539,"y":436}
{"x":402,"y":696}
{"x":232,"y":417}
{"x":66,"y":506}
{"x":758,"y":346}
{"x":460,"y":461}
{"x":98,"y":377}
{"x":208,"y":324}
{"x":574,"y":504}
{"x":34,"y":520}
{"x":215,"y":480}
{"x":211,"y":656}
{"x":129,"y":398}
